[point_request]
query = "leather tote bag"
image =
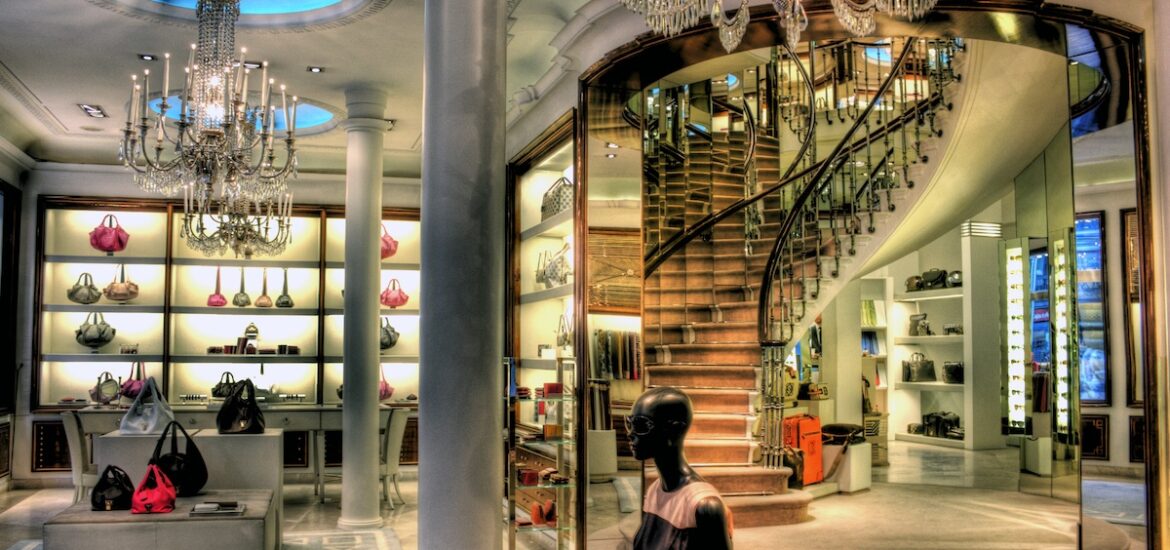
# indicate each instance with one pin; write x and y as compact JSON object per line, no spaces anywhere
{"x":95,"y":332}
{"x":393,"y":296}
{"x":113,"y":491}
{"x":108,"y":236}
{"x":385,"y":390}
{"x":918,"y":369}
{"x":241,"y":299}
{"x":132,"y":386}
{"x":389,"y":335}
{"x":953,"y":372}
{"x":389,"y":245}
{"x":106,"y":390}
{"x":84,"y":291}
{"x":934,"y":278}
{"x":557,"y":199}
{"x":284,"y":300}
{"x":240,"y":413}
{"x":223,"y":388}
{"x":121,"y":289}
{"x":264,"y":300}
{"x":149,"y":413}
{"x":186,"y":470}
{"x":155,"y":495}
{"x":216,"y":299}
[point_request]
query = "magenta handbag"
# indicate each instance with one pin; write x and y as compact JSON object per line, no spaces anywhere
{"x":217,"y":299}
{"x":108,"y":236}
{"x":385,"y":390}
{"x":389,"y":245}
{"x":133,"y":384}
{"x":393,"y":296}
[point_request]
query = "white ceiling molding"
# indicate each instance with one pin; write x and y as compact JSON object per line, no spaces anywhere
{"x":31,"y":103}
{"x":11,"y":154}
{"x":311,"y":21}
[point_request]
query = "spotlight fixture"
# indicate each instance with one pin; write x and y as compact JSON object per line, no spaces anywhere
{"x":147,"y":57}
{"x":253,"y":64}
{"x":611,"y":145}
{"x":610,"y":155}
{"x":94,"y":111}
{"x":314,"y":69}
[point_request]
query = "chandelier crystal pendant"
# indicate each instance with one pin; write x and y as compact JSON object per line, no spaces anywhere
{"x":856,"y":15}
{"x":221,"y":148}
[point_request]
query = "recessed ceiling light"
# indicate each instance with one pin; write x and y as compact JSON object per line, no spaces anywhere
{"x":252,"y":64}
{"x":313,"y":69}
{"x":610,"y":155}
{"x":147,"y":57}
{"x":94,"y":111}
{"x":611,"y":145}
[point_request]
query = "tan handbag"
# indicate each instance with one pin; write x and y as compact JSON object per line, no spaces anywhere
{"x":121,"y":289}
{"x":264,"y":300}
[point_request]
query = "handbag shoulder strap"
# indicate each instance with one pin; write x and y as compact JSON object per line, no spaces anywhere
{"x":241,"y":279}
{"x":394,"y":285}
{"x":385,"y":322}
{"x":81,"y":280}
{"x":285,"y":281}
{"x":122,"y":274}
{"x":264,"y":287}
{"x":110,"y":220}
{"x":217,"y":279}
{"x":385,"y":233}
{"x":167,"y":431}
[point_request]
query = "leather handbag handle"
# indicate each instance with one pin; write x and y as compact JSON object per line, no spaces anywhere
{"x":217,"y":279}
{"x":241,"y":279}
{"x":394,"y":285}
{"x":264,"y":285}
{"x":384,"y":231}
{"x":110,"y":220}
{"x":285,"y":291}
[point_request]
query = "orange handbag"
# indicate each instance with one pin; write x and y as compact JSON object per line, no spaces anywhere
{"x":804,"y":432}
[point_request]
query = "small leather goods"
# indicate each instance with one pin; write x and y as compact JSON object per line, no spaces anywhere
{"x":918,"y":369}
{"x":224,"y":387}
{"x":952,"y":328}
{"x":155,"y":495}
{"x":916,"y":321}
{"x":544,"y":514}
{"x":95,"y":332}
{"x":121,"y":289}
{"x":953,"y":372}
{"x":385,"y":390}
{"x":113,"y":491}
{"x":264,"y":300}
{"x":251,"y":332}
{"x":149,"y":413}
{"x":240,"y":413}
{"x":954,"y":279}
{"x":527,"y":476}
{"x":106,"y":390}
{"x":553,"y":432}
{"x":84,"y":291}
{"x":186,"y":470}
{"x":557,"y":199}
{"x":216,"y":299}
{"x":913,"y":283}
{"x":553,"y":389}
{"x":284,"y":300}
{"x":934,"y":278}
{"x":915,"y":428}
{"x":388,"y":335}
{"x":393,"y":296}
{"x":241,"y":299}
{"x":108,"y":236}
{"x":389,"y":245}
{"x":133,"y":384}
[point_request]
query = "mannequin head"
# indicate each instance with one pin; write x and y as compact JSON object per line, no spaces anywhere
{"x":658,"y":422}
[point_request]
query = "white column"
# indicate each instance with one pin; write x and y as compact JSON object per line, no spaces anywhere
{"x":1158,"y":50}
{"x":365,"y":127}
{"x":461,"y":385}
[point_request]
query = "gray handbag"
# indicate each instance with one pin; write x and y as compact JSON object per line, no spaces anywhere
{"x":241,"y":299}
{"x":106,"y":390}
{"x":95,"y":332}
{"x":557,"y":199}
{"x":556,"y":268}
{"x":149,"y":413}
{"x":388,"y":335}
{"x":84,"y":291}
{"x":284,"y":300}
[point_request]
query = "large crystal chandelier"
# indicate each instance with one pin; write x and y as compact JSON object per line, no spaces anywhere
{"x":221,"y":149}
{"x":670,"y":17}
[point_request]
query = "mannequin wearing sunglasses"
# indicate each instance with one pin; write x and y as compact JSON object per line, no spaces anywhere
{"x":681,"y":510}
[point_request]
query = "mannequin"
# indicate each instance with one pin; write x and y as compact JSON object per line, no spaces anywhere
{"x":680,"y":510}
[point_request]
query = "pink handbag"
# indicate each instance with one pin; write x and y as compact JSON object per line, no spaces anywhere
{"x":389,"y":245}
{"x":108,"y":236}
{"x":155,"y":494}
{"x":217,"y":299}
{"x":385,"y":390}
{"x":134,"y":383}
{"x":393,"y":296}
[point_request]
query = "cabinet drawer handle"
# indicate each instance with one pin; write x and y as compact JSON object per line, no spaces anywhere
{"x":286,"y":421}
{"x":191,"y":421}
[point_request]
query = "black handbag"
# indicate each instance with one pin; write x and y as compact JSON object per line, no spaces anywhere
{"x":935,"y":278}
{"x":224,"y":387}
{"x":186,"y":470}
{"x":838,"y":434}
{"x":953,"y":372}
{"x":918,"y":369}
{"x":113,"y":491}
{"x":240,"y":413}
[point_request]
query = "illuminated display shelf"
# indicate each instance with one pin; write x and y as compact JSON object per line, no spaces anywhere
{"x":103,"y":259}
{"x":249,"y":310}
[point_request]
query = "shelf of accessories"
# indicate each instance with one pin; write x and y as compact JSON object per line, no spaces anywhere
{"x":102,"y":307}
{"x":558,"y":225}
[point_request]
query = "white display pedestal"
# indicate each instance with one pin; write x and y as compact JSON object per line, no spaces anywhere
{"x":602,"y":455}
{"x":1037,"y":455}
{"x":855,"y":472}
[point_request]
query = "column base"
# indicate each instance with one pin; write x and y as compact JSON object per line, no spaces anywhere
{"x":349,"y":524}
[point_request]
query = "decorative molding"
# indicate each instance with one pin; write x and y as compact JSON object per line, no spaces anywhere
{"x":12,"y":153}
{"x":276,"y":24}
{"x":31,"y":103}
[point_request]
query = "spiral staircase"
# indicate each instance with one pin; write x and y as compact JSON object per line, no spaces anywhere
{"x":766,"y":189}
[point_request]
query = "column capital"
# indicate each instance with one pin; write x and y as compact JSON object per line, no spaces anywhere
{"x":365,"y":102}
{"x":366,"y":125}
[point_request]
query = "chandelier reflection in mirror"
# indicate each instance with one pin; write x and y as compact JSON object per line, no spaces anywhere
{"x":671,"y":17}
{"x":224,"y":143}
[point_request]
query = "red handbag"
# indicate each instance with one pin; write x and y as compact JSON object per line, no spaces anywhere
{"x":385,"y":390}
{"x":133,"y":384}
{"x":217,"y":299}
{"x":155,"y":495}
{"x":393,"y":296}
{"x":389,"y":245}
{"x":108,"y":236}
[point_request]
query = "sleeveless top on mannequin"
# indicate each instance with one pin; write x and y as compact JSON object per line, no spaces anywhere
{"x":669,"y":520}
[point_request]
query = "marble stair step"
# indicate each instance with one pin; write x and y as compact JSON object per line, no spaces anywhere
{"x":702,"y":376}
{"x":756,"y":511}
{"x":736,"y":401}
{"x":723,"y":353}
{"x":740,"y":480}
{"x":721,"y":425}
{"x":719,"y":451}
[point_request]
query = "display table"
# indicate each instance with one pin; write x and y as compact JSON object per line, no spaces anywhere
{"x":855,"y":472}
{"x":256,"y":529}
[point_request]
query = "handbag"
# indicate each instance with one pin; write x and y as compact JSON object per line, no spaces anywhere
{"x":564,"y":332}
{"x":794,"y":458}
{"x":108,"y":236}
{"x":953,"y":372}
{"x":389,"y":335}
{"x":132,"y":386}
{"x":120,"y":289}
{"x":113,"y":491}
{"x":393,"y":296}
{"x":541,"y":264}
{"x":223,"y":388}
{"x":106,"y":390}
{"x":186,"y":470}
{"x":284,"y":300}
{"x":557,"y":199}
{"x":84,"y":291}
{"x":916,"y":321}
{"x":913,"y":283}
{"x":264,"y":300}
{"x":838,"y":434}
{"x":216,"y":299}
{"x":241,"y":298}
{"x":934,"y":278}
{"x":147,"y":417}
{"x":240,"y":413}
{"x":556,"y":269}
{"x":155,"y":495}
{"x":918,"y":369}
{"x":385,"y":390}
{"x":389,"y":245}
{"x":95,"y":332}
{"x":251,"y":331}
{"x":954,"y":279}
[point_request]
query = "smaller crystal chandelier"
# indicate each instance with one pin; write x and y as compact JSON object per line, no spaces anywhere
{"x":214,"y":225}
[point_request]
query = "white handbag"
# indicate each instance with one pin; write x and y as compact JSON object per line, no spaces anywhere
{"x":149,"y":413}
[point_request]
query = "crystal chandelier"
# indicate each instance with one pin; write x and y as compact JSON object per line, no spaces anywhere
{"x":223,"y":141}
{"x":670,"y":17}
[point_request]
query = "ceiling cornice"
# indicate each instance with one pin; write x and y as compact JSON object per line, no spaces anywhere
{"x":374,"y":6}
{"x":31,"y":103}
{"x":12,"y":153}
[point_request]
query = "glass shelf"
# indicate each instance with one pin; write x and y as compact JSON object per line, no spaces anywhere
{"x":103,"y":259}
{"x":232,"y":262}
{"x":240,"y":358}
{"x":399,"y":266}
{"x":547,"y":294}
{"x":543,"y":528}
{"x":102,"y":307}
{"x":522,"y":487}
{"x":557,"y":226}
{"x":248,"y":310}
